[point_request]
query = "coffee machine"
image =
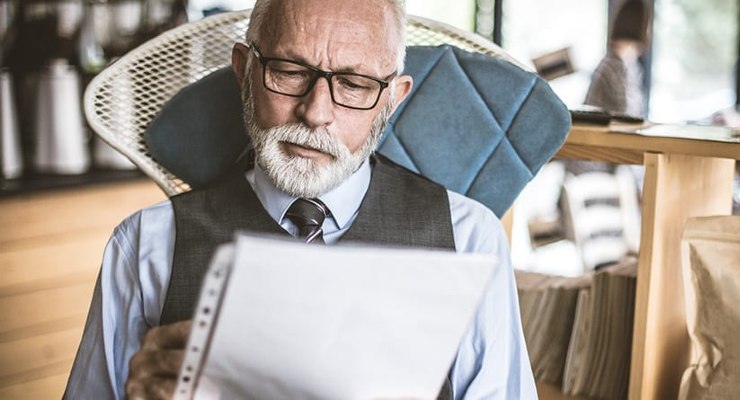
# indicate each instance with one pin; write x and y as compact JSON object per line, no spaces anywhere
{"x":48,"y":89}
{"x":11,"y":160}
{"x":57,"y":47}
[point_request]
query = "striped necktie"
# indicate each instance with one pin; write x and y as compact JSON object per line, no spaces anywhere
{"x":308,"y":215}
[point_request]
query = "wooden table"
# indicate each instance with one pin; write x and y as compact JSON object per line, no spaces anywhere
{"x":683,"y":178}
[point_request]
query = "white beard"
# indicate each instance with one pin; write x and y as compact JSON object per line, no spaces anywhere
{"x":300,"y":176}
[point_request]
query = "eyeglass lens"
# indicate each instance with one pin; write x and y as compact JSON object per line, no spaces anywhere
{"x":348,"y":89}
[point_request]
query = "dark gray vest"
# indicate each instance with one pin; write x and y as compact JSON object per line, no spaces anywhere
{"x":400,"y":208}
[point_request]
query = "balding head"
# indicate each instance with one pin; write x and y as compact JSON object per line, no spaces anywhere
{"x":387,"y":17}
{"x":344,"y":51}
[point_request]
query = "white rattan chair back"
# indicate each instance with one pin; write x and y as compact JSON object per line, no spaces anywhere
{"x":124,"y":98}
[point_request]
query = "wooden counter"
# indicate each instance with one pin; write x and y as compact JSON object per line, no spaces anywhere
{"x":683,"y":178}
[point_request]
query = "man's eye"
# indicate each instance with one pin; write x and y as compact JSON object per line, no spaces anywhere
{"x":291,"y":74}
{"x":353,"y":83}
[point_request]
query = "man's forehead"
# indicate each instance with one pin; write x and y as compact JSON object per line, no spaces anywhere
{"x":355,"y":35}
{"x":363,"y":9}
{"x":368,"y":15}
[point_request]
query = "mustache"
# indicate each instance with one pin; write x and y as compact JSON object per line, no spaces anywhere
{"x":300,"y":134}
{"x":294,"y":132}
{"x":314,"y":138}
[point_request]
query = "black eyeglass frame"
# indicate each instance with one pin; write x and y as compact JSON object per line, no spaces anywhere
{"x":384,"y":83}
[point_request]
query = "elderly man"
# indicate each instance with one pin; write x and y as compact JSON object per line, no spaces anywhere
{"x":319,"y":80}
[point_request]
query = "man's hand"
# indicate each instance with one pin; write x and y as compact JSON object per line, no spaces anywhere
{"x":154,"y":368}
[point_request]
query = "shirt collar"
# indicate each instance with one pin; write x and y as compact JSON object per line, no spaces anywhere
{"x":343,"y":201}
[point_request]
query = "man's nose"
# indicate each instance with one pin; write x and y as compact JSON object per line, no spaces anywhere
{"x":316,"y":108}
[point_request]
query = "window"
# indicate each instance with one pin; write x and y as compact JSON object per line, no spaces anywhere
{"x":531,"y":28}
{"x":695,"y":51}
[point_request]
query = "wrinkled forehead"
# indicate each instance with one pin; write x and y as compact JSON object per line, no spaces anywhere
{"x":353,"y":29}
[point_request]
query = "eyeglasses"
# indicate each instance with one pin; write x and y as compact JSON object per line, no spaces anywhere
{"x":295,"y":79}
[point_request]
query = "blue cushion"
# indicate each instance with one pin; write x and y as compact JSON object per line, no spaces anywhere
{"x":199,"y":133}
{"x":476,"y":124}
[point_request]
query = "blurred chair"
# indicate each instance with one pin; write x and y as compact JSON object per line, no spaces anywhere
{"x":476,"y":121}
{"x":601,"y":215}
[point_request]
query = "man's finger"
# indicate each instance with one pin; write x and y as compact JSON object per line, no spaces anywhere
{"x":150,"y":389}
{"x":171,"y":336}
{"x":169,"y":362}
{"x":162,"y":363}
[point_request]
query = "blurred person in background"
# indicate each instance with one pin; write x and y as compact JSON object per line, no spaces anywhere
{"x":617,"y":83}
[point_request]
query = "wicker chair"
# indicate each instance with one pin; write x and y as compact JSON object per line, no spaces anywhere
{"x":520,"y":120}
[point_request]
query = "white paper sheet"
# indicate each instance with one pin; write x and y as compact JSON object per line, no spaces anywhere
{"x":296,"y":321}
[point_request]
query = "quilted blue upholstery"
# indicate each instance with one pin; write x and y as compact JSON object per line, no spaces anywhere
{"x":200,"y":133}
{"x":478,"y":125}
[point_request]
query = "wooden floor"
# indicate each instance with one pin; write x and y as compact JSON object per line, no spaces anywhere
{"x":51,"y":245}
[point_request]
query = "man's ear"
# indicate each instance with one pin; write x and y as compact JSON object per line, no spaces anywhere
{"x":402,"y":87}
{"x":239,"y":57}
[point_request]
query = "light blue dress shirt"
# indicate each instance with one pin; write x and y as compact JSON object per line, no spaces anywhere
{"x":491,"y":362}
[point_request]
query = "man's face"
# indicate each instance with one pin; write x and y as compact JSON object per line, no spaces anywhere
{"x":308,"y":145}
{"x":304,"y":176}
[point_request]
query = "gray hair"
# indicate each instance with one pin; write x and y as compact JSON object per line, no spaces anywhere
{"x":261,"y":11}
